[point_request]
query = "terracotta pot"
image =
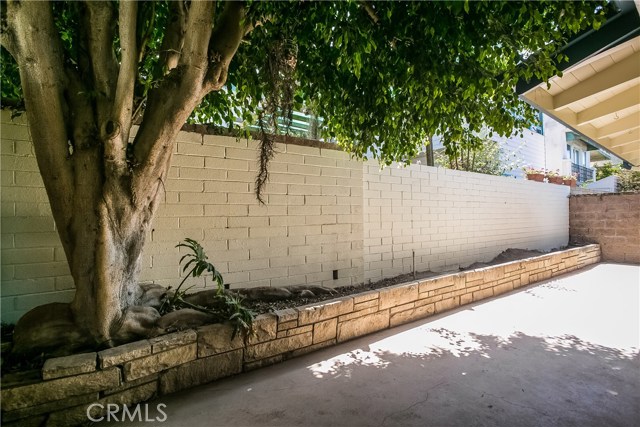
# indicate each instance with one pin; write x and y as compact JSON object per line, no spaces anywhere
{"x":535,"y":177}
{"x":555,"y":179}
{"x":569,"y":182}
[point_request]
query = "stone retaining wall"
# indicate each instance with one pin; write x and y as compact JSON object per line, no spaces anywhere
{"x":145,"y":369}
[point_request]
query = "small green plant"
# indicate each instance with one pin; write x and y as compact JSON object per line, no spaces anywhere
{"x":223,"y":307}
{"x":530,"y":170}
{"x":240,"y":315}
{"x":197,"y":260}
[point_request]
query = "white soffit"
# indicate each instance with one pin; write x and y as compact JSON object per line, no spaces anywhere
{"x":599,"y":98}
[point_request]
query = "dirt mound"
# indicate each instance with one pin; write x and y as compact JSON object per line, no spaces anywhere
{"x":506,"y":256}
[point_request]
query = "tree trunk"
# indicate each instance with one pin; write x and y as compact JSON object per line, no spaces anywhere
{"x":430,"y":159}
{"x":105,"y":264}
{"x":80,"y":114}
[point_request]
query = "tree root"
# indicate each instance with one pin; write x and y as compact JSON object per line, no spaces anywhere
{"x":137,"y":322}
{"x":49,"y":329}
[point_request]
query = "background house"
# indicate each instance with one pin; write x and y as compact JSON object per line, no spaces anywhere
{"x":598,"y":93}
{"x":550,"y":146}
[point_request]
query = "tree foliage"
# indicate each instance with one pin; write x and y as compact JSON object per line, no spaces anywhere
{"x":607,"y":170}
{"x":629,"y":180}
{"x":486,"y":156}
{"x":382,"y":75}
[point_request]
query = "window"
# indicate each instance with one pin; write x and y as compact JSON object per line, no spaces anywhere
{"x":576,"y":156}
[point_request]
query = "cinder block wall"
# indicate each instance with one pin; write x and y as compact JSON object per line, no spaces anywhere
{"x":451,"y":219}
{"x":323,"y":212}
{"x":34,"y":267}
{"x":310,"y":224}
{"x":612,"y":220}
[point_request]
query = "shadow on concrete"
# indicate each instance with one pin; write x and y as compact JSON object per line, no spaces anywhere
{"x":470,"y":379}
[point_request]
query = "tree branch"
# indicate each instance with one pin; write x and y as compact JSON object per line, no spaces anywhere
{"x":181,"y":90}
{"x":42,"y":81}
{"x":82,"y":129}
{"x":194,"y":56}
{"x":370,"y":11}
{"x":146,"y":17}
{"x":116,"y":130}
{"x":174,"y":37}
{"x":100,"y":31}
{"x":224,"y":43}
{"x":170,"y":104}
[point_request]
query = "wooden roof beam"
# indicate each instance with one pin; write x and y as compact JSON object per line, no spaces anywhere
{"x":632,"y":121}
{"x":624,"y":100}
{"x":619,"y":73}
{"x":630,"y":137}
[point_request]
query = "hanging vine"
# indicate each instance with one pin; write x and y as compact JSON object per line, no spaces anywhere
{"x":278,"y":104}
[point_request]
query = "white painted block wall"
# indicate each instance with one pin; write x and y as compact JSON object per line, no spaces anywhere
{"x":450,"y":219}
{"x":324,"y":212}
{"x":310,"y":225}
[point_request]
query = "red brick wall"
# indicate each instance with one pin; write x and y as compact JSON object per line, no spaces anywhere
{"x":612,"y":220}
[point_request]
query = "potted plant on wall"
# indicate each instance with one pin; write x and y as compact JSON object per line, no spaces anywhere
{"x":554,"y":177}
{"x":570,"y":180}
{"x":534,"y":174}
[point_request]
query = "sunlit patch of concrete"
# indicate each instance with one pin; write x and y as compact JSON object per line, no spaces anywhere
{"x":587,"y":311}
{"x":340,"y":364}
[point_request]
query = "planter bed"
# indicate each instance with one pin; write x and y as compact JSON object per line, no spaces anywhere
{"x":145,"y":369}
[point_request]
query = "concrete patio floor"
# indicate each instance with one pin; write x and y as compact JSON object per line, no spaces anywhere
{"x":564,"y":352}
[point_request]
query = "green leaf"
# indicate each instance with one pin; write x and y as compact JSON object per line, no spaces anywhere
{"x":378,"y":89}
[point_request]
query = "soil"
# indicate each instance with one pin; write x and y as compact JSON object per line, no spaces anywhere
{"x":260,"y":307}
